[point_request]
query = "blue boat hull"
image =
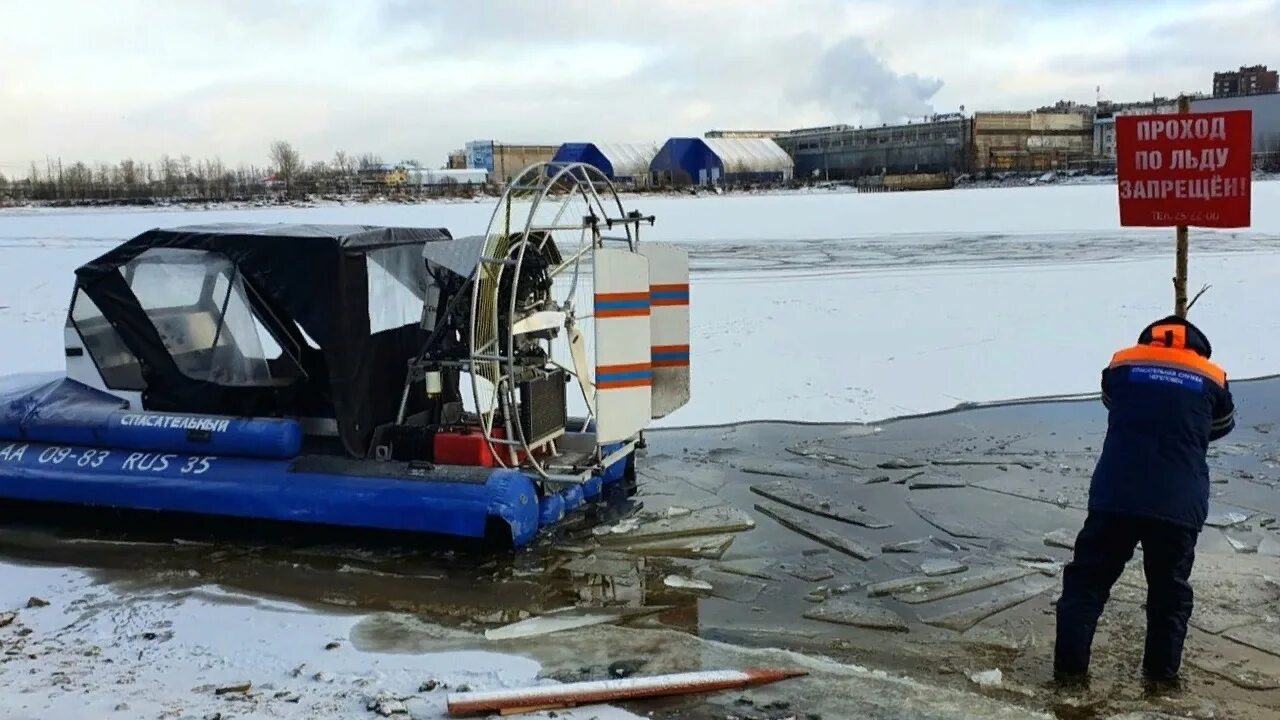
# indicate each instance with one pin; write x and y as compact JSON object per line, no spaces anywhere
{"x":64,"y":444}
{"x":267,"y":490}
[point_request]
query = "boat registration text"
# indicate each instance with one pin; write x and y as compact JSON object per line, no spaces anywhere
{"x":114,"y":459}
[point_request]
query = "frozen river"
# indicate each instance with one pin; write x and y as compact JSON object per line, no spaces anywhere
{"x":824,"y":307}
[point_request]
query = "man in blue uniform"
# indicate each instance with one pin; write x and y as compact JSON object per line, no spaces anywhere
{"x":1166,"y":403}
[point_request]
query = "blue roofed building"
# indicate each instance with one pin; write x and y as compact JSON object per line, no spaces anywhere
{"x":720,"y":160}
{"x":625,"y":164}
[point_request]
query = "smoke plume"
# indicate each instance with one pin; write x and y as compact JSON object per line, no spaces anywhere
{"x":851,"y":80}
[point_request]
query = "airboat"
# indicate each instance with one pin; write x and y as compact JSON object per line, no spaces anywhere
{"x":363,"y":377}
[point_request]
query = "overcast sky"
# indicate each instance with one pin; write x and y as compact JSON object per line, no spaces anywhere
{"x":411,"y":79}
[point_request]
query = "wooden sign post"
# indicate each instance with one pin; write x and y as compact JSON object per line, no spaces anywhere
{"x":1185,"y":169}
{"x":1180,"y":258}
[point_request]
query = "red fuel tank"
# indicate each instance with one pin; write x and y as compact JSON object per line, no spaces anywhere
{"x":466,"y":446}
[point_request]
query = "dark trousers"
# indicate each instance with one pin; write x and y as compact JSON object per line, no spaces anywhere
{"x":1103,"y":547}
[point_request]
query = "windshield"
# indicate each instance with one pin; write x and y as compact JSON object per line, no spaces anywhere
{"x":200,"y":306}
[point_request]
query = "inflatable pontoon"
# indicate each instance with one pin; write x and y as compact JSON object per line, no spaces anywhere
{"x":359,"y":377}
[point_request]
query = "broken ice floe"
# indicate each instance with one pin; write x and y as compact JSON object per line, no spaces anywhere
{"x":727,"y":586}
{"x":1026,"y":463}
{"x":987,"y":678}
{"x":1244,"y":543}
{"x":1061,"y":538}
{"x":942,"y":566}
{"x":953,"y":585}
{"x":1052,"y":569}
{"x":1015,"y":551}
{"x":803,"y":527}
{"x":1008,"y":596}
{"x":683,"y":583}
{"x":749,"y":567}
{"x":1215,"y":619}
{"x":809,"y":573}
{"x":1261,"y":636}
{"x":611,"y":566}
{"x":819,"y":452}
{"x":902,"y":464}
{"x":716,"y":520}
{"x":903,"y":584}
{"x":1221,"y":519}
{"x":808,"y":502}
{"x":906,"y":546}
{"x":569,"y":618}
{"x":1237,"y":672}
{"x":859,"y":613}
{"x":702,"y":546}
{"x":936,"y":482}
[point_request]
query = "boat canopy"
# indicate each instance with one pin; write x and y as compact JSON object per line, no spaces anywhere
{"x":264,"y":320}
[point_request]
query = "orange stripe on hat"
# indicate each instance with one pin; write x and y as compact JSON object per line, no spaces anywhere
{"x":1169,"y":336}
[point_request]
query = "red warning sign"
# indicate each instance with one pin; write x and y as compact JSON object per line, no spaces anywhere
{"x":1185,"y":169}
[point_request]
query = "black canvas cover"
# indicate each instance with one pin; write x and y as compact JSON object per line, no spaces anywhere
{"x":314,"y":275}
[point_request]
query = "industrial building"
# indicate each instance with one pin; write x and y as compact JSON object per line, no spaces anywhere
{"x":717,"y":161}
{"x":1104,"y":122}
{"x":842,"y":152}
{"x":420,"y":177}
{"x":1266,"y":116}
{"x":504,"y":161}
{"x":1251,"y":80}
{"x":743,"y":133}
{"x":1031,"y":141}
{"x":382,"y":175}
{"x":623,"y":163}
{"x":387,"y":175}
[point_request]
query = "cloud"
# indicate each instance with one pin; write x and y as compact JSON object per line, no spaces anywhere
{"x":851,"y":80}
{"x":411,"y":79}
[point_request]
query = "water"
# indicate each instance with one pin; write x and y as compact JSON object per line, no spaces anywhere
{"x":1021,"y":472}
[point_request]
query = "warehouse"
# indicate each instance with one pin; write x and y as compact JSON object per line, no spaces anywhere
{"x":623,"y":163}
{"x":1266,"y":116}
{"x":1104,"y":123}
{"x":451,"y":176}
{"x":1031,"y":141}
{"x":716,"y":161}
{"x":842,"y":152}
{"x":504,"y":161}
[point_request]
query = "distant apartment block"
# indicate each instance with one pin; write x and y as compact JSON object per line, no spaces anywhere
{"x":1251,"y":80}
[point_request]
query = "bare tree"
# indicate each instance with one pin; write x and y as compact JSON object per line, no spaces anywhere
{"x":216,"y":176}
{"x":102,"y":180}
{"x":287,"y":163}
{"x":130,"y":176}
{"x":345,"y":166}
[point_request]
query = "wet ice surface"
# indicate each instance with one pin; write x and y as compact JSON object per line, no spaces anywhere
{"x":950,"y":583}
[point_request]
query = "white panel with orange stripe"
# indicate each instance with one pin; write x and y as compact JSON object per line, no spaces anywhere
{"x":624,"y":367}
{"x":669,"y":326}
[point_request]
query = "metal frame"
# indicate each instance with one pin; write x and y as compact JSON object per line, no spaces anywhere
{"x":545,"y":184}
